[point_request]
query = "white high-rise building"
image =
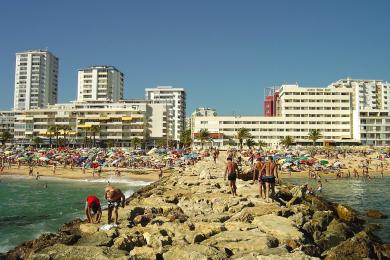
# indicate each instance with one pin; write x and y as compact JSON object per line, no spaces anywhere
{"x":36,"y":79}
{"x":100,"y":83}
{"x":175,"y":101}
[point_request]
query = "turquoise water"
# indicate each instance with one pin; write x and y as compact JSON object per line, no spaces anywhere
{"x":360,"y":194}
{"x":27,"y":208}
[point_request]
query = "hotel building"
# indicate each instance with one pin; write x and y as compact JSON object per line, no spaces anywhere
{"x":102,"y":83}
{"x":36,"y":80}
{"x":175,"y":101}
{"x":118,"y":122}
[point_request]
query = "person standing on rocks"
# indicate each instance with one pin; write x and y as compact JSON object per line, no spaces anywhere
{"x":258,"y":171}
{"x":92,"y":208}
{"x":115,"y":198}
{"x":231,"y":171}
{"x":269,"y":178}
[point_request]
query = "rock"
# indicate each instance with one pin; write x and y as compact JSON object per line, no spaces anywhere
{"x":143,"y":253}
{"x":89,"y":228}
{"x":361,"y":246}
{"x":95,"y":239}
{"x":238,"y":226}
{"x":60,"y":251}
{"x":317,"y":203}
{"x":199,"y":237}
{"x":239,"y":241}
{"x":311,"y":250}
{"x":298,"y":219}
{"x":194,"y":252}
{"x":320,"y":220}
{"x":298,"y":193}
{"x":335,"y":233}
{"x":128,"y":242}
{"x":279,"y":227}
{"x":142,"y":219}
{"x":373,"y":213}
{"x":291,"y":244}
{"x":284,"y":255}
{"x":135,"y":212}
{"x":346,"y":213}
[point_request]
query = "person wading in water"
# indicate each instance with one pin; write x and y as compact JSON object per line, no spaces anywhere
{"x":231,"y":173}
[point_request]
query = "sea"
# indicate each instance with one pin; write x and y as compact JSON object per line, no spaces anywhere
{"x":361,"y":194}
{"x":30,"y":207}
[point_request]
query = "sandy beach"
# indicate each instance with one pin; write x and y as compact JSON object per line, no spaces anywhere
{"x":148,"y":175}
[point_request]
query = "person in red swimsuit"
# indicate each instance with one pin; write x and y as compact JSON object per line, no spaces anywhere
{"x":93,"y":208}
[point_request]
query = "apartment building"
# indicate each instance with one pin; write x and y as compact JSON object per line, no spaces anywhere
{"x":300,"y":109}
{"x":175,"y":101}
{"x":102,"y":83}
{"x":7,"y":119}
{"x":116,"y":122}
{"x":36,"y":79}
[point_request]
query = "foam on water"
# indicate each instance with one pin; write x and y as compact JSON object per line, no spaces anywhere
{"x":28,"y":209}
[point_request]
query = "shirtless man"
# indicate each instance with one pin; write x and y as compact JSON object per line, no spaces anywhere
{"x":231,"y":173}
{"x":115,"y":198}
{"x":259,"y":171}
{"x":92,"y":208}
{"x":269,"y":177}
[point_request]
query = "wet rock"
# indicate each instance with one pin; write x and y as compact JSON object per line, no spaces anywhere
{"x":373,"y":213}
{"x":194,"y":252}
{"x":346,"y":213}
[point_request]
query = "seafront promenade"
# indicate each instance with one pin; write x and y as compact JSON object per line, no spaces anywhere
{"x":192,"y":215}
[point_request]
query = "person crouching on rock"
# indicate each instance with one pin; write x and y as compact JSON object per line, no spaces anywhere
{"x":231,"y":172}
{"x":115,"y":198}
{"x":92,"y":208}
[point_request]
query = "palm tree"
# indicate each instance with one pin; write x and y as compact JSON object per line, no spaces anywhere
{"x":261,"y":144}
{"x":314,"y":135}
{"x":135,"y":142}
{"x":287,"y":141}
{"x":185,"y":138}
{"x":66,"y":129}
{"x":250,"y":143}
{"x":243,"y":133}
{"x":37,"y":141}
{"x":203,"y":136}
{"x":5,"y":137}
{"x":94,"y":130}
{"x":52,"y":130}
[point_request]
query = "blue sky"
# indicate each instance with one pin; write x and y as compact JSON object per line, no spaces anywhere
{"x":224,"y":53}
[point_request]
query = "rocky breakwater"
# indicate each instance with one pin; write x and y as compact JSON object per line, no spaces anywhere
{"x":192,"y":215}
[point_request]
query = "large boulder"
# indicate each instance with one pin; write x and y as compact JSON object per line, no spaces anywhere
{"x":373,"y":213}
{"x":194,"y":252}
{"x":279,"y":227}
{"x":346,"y":213}
{"x":143,"y":253}
{"x":335,"y":233}
{"x":361,"y":246}
{"x":60,"y":251}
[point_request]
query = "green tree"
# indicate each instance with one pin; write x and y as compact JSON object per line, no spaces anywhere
{"x":243,"y":133}
{"x":53,"y":130}
{"x":95,"y":129}
{"x":287,"y":141}
{"x":314,"y":135}
{"x":135,"y":142}
{"x":37,"y":141}
{"x":250,"y":143}
{"x":5,"y":137}
{"x":65,"y":131}
{"x":203,"y":136}
{"x":185,"y":138}
{"x":261,"y":144}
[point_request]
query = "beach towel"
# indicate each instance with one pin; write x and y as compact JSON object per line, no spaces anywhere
{"x":107,"y":227}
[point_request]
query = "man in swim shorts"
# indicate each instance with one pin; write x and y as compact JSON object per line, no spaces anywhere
{"x":258,"y":171}
{"x":115,"y":198}
{"x":231,"y":173}
{"x":269,"y":177}
{"x":93,"y":208}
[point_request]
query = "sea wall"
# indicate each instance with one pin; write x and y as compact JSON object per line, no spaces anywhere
{"x":192,"y":215}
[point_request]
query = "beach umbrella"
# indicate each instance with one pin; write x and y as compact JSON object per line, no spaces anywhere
{"x":324,"y":162}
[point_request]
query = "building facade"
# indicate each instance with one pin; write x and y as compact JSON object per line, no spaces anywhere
{"x":115,"y":122}
{"x":175,"y":101}
{"x":7,"y":120}
{"x":101,"y":83}
{"x":36,"y":80}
